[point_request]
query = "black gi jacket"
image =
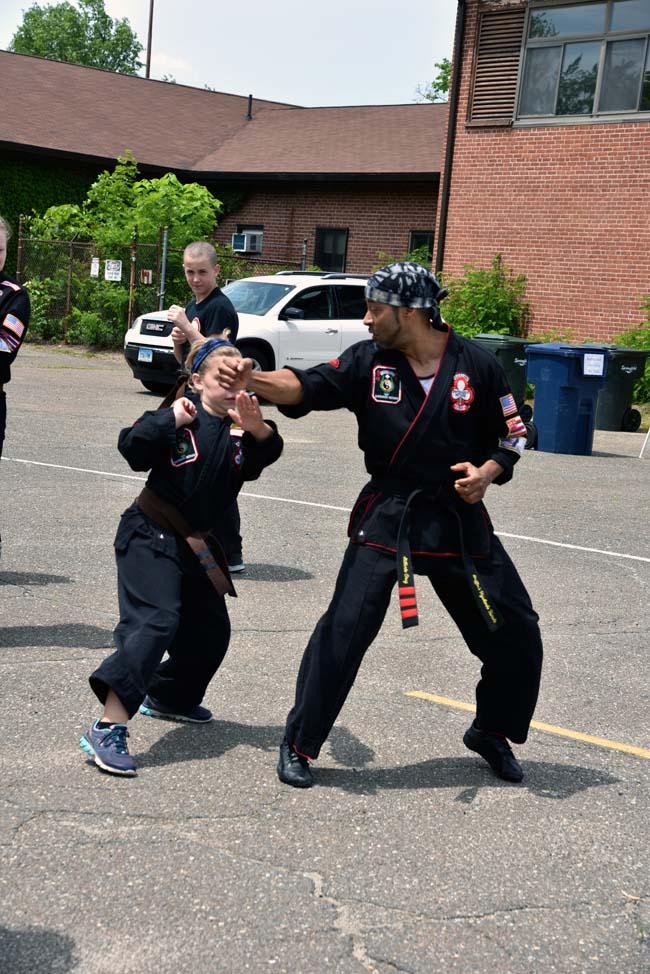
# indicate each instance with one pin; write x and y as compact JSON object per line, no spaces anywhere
{"x":410,"y":440}
{"x":198,"y":468}
{"x":14,"y":319}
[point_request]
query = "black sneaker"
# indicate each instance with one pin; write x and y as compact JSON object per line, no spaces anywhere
{"x":293,"y":769}
{"x":153,"y":708}
{"x":496,"y":751}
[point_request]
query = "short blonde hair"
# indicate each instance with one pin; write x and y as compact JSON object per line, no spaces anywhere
{"x":201,"y":250}
{"x":4,"y":226}
{"x":224,"y":351}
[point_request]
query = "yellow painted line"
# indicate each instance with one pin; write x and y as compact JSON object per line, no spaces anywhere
{"x":640,"y":752}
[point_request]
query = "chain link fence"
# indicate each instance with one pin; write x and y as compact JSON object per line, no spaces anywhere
{"x":82,"y":295}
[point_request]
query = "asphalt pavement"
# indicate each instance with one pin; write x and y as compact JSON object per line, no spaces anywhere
{"x":408,"y":855}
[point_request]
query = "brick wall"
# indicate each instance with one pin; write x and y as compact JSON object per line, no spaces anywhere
{"x":378,"y":216}
{"x":568,"y":205}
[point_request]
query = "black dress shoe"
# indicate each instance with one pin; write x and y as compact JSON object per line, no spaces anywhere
{"x":496,"y":751}
{"x":292,"y":769}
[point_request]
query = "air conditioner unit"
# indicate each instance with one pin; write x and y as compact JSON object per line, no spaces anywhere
{"x":247,"y":243}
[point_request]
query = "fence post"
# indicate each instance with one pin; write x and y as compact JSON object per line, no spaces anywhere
{"x":68,"y":295}
{"x":163,"y":269}
{"x":134,"y":257}
{"x":19,"y":252}
{"x":303,"y":262}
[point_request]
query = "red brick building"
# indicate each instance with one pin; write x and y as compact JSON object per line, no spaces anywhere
{"x":350,"y":181}
{"x":548,"y":157}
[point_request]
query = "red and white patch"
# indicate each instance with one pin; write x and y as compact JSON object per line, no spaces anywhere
{"x":462,"y":394}
{"x":335,"y":362}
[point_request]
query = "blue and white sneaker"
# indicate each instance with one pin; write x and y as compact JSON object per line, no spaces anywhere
{"x":107,"y":745}
{"x":197,"y":715}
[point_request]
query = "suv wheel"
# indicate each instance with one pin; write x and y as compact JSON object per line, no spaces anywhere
{"x":262,"y":361}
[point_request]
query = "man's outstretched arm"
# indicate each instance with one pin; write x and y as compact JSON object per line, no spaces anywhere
{"x":282,"y":387}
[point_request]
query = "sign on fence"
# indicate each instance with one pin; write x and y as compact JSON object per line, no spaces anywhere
{"x":113,"y":270}
{"x":94,"y":266}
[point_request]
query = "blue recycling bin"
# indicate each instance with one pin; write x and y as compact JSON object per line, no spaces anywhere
{"x":567,"y":380}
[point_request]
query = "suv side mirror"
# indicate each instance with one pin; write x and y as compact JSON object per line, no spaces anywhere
{"x":296,"y":313}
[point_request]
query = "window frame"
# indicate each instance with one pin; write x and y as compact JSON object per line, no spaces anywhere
{"x":605,"y":37}
{"x":346,"y":231}
{"x":422,"y":233}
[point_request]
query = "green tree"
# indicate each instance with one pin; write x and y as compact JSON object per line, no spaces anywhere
{"x":86,"y":35}
{"x":438,"y":89}
{"x":118,"y":200}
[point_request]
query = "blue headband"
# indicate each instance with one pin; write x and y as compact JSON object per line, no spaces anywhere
{"x":207,"y":349}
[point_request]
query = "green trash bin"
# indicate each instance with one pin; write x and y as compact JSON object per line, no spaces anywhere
{"x":511,"y":353}
{"x":614,"y":411}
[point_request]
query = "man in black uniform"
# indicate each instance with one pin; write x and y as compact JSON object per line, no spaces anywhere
{"x":14,"y":319}
{"x":209,"y":313}
{"x":437,"y":425}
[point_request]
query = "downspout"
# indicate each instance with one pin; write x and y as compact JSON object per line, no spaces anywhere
{"x":451,"y":133}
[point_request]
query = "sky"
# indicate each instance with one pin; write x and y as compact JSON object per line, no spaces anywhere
{"x":342,"y":52}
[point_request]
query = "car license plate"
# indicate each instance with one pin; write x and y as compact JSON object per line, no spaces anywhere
{"x":145,"y":355}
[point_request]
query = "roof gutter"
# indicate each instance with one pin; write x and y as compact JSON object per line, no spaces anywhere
{"x":451,"y":133}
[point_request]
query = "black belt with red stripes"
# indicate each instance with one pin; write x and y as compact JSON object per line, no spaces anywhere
{"x":441,"y":495}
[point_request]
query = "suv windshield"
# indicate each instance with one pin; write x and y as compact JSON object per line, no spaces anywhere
{"x":255,"y":297}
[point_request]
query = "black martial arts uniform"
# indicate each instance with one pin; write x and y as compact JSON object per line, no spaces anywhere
{"x":409,"y":520}
{"x":215,"y":314}
{"x":166,"y":601}
{"x":14,"y":320}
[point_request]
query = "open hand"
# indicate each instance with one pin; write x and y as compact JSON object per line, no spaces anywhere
{"x":247,"y":414}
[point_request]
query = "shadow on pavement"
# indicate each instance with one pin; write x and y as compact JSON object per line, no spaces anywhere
{"x":36,"y":951}
{"x":545,"y":779}
{"x":72,"y":635}
{"x":259,"y":572}
{"x":190,"y":743}
{"x":31,"y":578}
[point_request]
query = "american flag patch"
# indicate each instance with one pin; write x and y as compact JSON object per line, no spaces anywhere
{"x":508,"y":405}
{"x":516,"y":426}
{"x":11,"y":323}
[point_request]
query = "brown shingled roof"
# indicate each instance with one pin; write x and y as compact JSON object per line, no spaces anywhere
{"x":69,"y":109}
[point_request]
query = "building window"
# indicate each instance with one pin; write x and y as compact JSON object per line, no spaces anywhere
{"x":586,"y":59}
{"x":330,"y":248}
{"x":248,"y":238}
{"x":419,"y":239}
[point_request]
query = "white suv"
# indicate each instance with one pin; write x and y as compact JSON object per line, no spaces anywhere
{"x":289,"y":318}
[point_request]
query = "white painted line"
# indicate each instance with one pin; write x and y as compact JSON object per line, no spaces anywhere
{"x":332,"y":507}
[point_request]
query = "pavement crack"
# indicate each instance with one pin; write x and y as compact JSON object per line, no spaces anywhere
{"x":345,"y":924}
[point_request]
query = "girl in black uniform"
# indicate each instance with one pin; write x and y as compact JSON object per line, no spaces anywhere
{"x":14,"y":319}
{"x":172,"y":574}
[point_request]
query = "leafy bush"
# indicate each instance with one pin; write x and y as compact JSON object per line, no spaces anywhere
{"x":420,"y":255}
{"x":487,"y":300}
{"x":43,"y":320}
{"x":639,"y":338}
{"x":90,"y":328}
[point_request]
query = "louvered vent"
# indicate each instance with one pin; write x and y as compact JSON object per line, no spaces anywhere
{"x":496,"y":64}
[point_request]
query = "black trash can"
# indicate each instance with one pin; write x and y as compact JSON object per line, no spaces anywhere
{"x":615,"y":411}
{"x":513,"y":357}
{"x":511,"y":353}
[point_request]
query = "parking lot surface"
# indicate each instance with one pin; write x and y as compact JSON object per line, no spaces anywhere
{"x":408,"y":855}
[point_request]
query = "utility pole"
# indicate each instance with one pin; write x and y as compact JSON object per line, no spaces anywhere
{"x":148,"y":67}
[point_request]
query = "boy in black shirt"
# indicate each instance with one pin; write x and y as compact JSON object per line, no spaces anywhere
{"x":209,"y":313}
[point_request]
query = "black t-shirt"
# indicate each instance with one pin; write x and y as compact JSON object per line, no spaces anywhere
{"x":215,"y":313}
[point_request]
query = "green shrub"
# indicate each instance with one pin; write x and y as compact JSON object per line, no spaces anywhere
{"x":639,"y":338}
{"x":43,"y":320}
{"x":487,"y":300}
{"x":90,"y":328}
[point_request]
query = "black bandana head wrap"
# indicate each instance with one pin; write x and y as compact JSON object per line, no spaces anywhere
{"x":407,"y":285}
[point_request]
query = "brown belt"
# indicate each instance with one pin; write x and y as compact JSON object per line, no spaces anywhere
{"x":204,"y":544}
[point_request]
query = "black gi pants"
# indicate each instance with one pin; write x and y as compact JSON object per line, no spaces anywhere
{"x":228,"y":532}
{"x":511,"y":655}
{"x":3,"y":417}
{"x":167,"y":605}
